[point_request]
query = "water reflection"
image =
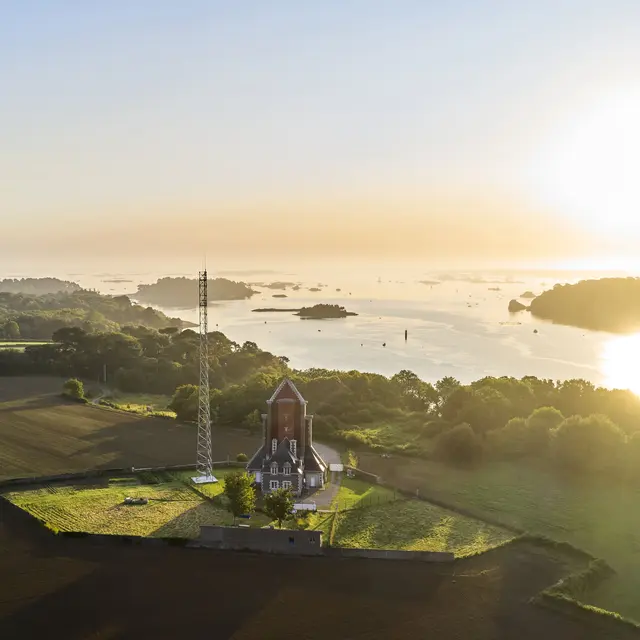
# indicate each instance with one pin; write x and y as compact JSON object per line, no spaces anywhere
{"x":621,"y":363}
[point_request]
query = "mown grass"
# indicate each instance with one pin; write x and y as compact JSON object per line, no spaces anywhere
{"x":140,"y":403}
{"x":174,"y":509}
{"x":414,"y":525}
{"x":600,"y":517}
{"x":355,"y":493}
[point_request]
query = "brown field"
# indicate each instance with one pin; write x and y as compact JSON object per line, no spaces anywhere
{"x":42,"y":434}
{"x":116,"y":592}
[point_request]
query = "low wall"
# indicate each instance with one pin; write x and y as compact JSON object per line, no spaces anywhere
{"x":389,"y":554}
{"x":364,"y":475}
{"x":282,"y":541}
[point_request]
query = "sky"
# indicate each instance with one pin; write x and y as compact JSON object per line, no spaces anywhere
{"x":386,"y":129}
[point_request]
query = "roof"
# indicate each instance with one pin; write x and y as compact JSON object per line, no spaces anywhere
{"x":313,"y":461}
{"x":286,"y":390}
{"x":255,"y":464}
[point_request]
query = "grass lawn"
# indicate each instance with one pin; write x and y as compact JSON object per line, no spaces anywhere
{"x":601,"y":518}
{"x":174,"y":509}
{"x":354,"y":493}
{"x":414,"y":525}
{"x":140,"y":402}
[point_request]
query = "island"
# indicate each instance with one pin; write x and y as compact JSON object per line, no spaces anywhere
{"x":279,"y":295}
{"x":316,"y":312}
{"x":273,"y":285}
{"x":314,"y":289}
{"x":183,"y":292}
{"x":529,"y":295}
{"x":515,"y":306}
{"x":605,"y":304}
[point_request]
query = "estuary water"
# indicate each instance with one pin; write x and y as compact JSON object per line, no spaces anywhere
{"x":457,"y":323}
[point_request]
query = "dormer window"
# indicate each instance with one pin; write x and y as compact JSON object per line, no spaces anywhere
{"x":293,"y":446}
{"x":287,"y":469}
{"x":274,"y":445}
{"x":274,"y":468}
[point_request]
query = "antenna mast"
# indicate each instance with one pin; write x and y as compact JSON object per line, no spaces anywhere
{"x":203,"y":461}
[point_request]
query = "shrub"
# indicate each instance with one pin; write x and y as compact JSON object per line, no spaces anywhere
{"x":459,"y":445}
{"x":540,"y":424}
{"x":511,"y":440}
{"x":593,"y":443}
{"x":242,"y":457}
{"x":434,"y":428}
{"x":73,"y":388}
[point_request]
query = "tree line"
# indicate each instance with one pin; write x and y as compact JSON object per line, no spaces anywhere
{"x":573,"y":421}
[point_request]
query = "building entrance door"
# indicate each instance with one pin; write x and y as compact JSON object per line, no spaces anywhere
{"x":312,"y":481}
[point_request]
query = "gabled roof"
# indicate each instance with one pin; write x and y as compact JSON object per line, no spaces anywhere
{"x":313,"y":461}
{"x":255,"y":464}
{"x":286,"y":389}
{"x":283,"y":454}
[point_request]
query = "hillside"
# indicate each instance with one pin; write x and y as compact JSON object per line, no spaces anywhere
{"x":39,"y":316}
{"x":607,"y":304}
{"x":37,"y":286}
{"x":183,"y":292}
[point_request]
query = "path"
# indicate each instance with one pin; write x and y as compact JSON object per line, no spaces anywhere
{"x":324,"y":497}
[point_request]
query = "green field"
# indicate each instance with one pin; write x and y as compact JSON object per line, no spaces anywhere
{"x":601,"y":518}
{"x":140,"y":402}
{"x":19,"y":345}
{"x":354,"y":493}
{"x":414,"y":525}
{"x":175,"y":509}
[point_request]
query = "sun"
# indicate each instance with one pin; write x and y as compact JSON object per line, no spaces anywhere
{"x":589,"y":169}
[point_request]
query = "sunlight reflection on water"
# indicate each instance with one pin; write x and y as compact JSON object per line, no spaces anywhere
{"x":621,"y":363}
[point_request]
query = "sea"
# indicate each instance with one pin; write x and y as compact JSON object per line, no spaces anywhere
{"x":456,"y":321}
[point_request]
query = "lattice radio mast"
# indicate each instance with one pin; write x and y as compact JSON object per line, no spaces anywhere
{"x":204,"y":466}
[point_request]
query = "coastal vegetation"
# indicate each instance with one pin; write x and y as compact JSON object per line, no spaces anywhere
{"x":37,"y":317}
{"x":37,"y":286}
{"x":606,"y":304}
{"x":183,"y":292}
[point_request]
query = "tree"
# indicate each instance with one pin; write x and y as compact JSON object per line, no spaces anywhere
{"x":11,"y":330}
{"x":540,"y":424}
{"x":253,"y":421}
{"x":511,"y":440}
{"x":278,"y":505}
{"x":588,"y":444}
{"x":459,"y":445}
{"x":185,"y":402}
{"x":73,"y":388}
{"x":240,"y":493}
{"x":416,"y":393}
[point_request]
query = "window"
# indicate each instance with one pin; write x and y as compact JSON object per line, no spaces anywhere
{"x":293,"y":445}
{"x":274,"y":484}
{"x":274,"y":468}
{"x":286,"y":484}
{"x":287,"y":469}
{"x":274,"y":445}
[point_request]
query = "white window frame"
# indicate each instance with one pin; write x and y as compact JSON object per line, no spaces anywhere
{"x":274,"y":484}
{"x":274,"y":469}
{"x":293,"y":447}
{"x":287,"y":469}
{"x":286,"y":484}
{"x":274,"y":444}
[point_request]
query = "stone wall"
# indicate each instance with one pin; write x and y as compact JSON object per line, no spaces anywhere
{"x":282,"y":541}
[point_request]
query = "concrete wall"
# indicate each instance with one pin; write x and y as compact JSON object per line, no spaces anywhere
{"x":284,"y":541}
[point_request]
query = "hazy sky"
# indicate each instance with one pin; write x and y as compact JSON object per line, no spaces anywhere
{"x":401,"y":128}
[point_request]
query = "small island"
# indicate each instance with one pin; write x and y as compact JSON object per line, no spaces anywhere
{"x":528,"y":295}
{"x":273,"y":285}
{"x":606,"y":304}
{"x":315,"y":289}
{"x":317,"y":312}
{"x":183,"y":292}
{"x":279,"y":295}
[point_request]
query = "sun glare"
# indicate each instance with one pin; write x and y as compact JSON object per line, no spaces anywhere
{"x":620,"y":363}
{"x":589,"y":169}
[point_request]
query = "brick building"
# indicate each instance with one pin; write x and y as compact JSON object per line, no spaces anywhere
{"x":287,"y":458}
